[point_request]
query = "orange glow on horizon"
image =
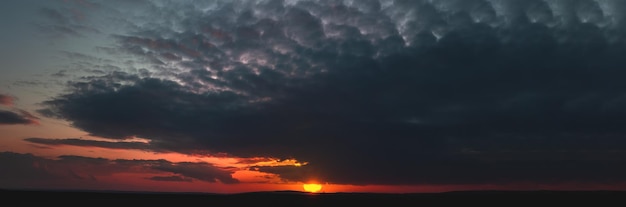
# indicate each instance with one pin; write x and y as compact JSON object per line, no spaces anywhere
{"x":312,"y":187}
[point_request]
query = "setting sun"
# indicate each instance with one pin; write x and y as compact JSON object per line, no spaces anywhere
{"x":313,"y":188}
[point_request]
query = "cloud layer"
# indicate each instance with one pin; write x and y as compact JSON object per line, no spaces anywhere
{"x":32,"y":171}
{"x":373,"y":92}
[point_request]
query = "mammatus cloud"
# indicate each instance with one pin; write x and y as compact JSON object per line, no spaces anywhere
{"x":374,"y":92}
{"x":76,"y":171}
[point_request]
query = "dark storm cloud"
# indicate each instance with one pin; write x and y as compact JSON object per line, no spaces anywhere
{"x":20,"y":117}
{"x":77,"y":171}
{"x":493,"y":168}
{"x":90,"y":143}
{"x":376,"y":92}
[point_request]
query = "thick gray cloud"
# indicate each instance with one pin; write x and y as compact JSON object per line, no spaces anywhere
{"x":27,"y":170}
{"x":376,"y":92}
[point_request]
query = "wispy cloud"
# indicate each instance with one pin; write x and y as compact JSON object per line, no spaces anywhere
{"x":20,"y":117}
{"x":90,"y":143}
{"x":81,"y":172}
{"x":171,"y":178}
{"x":6,"y":100}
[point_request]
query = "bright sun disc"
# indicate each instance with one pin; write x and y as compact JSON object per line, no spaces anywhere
{"x":312,"y":187}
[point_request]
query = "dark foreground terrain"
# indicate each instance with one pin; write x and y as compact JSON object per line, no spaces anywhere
{"x":298,"y":199}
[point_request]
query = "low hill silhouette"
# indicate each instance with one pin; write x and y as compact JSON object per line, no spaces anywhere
{"x":303,"y":199}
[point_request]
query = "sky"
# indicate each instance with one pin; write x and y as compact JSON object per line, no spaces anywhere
{"x":390,"y":96}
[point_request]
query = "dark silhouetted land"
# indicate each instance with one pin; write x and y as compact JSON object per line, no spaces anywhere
{"x":300,"y":199}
